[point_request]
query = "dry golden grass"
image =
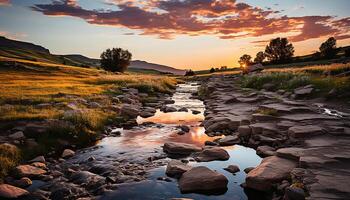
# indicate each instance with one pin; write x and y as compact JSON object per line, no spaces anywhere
{"x":333,"y":69}
{"x":9,"y":157}
{"x":27,"y":83}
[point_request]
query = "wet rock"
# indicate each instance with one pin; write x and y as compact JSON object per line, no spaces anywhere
{"x":129,"y":111}
{"x":184,"y":128}
{"x":11,"y":192}
{"x":229,"y":140}
{"x":28,"y":171}
{"x":85,"y":177}
{"x":304,"y":131}
{"x":180,"y":148}
{"x":169,"y":101}
{"x":303,"y":91}
{"x":270,"y":171}
{"x":183,"y":110}
{"x":38,"y":159}
{"x":248,"y":169}
{"x":217,"y":127}
{"x":67,"y":153}
{"x":210,"y":143}
{"x":232,"y":169}
{"x":17,"y":135}
{"x":176,"y":168}
{"x":294,"y":193}
{"x":196,"y":112}
{"x":146,"y":114}
{"x":23,"y":182}
{"x":212,"y":153}
{"x":202,"y":179}
{"x":244,"y":131}
{"x":265,"y":151}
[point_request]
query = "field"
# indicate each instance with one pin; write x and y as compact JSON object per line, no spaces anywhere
{"x":36,"y":91}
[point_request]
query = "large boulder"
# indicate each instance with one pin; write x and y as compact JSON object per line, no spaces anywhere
{"x":202,"y":179}
{"x":28,"y":171}
{"x":265,"y":151}
{"x":270,"y":171}
{"x":304,"y":131}
{"x":212,"y":153}
{"x":229,"y":140}
{"x":129,"y":111}
{"x":68,"y":153}
{"x":11,"y":192}
{"x":176,"y":168}
{"x":180,"y":148}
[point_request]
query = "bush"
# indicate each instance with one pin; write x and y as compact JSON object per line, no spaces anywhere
{"x":9,"y":158}
{"x":115,"y":60}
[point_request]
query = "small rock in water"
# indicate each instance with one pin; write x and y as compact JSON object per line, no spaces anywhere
{"x":248,"y":169}
{"x":212,"y":153}
{"x":68,"y":153}
{"x":176,"y":168}
{"x":196,"y":112}
{"x":180,"y":148}
{"x":210,"y":143}
{"x":184,"y":128}
{"x":183,"y":110}
{"x":181,"y":133}
{"x":232,"y":168}
{"x":166,"y":179}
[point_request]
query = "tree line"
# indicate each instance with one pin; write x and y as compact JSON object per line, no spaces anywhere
{"x":280,"y":51}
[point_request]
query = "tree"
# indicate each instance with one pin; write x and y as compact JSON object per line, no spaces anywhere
{"x":115,"y":60}
{"x":328,"y":49}
{"x":279,"y":50}
{"x":260,"y":57}
{"x":212,"y":70}
{"x":245,"y":60}
{"x":189,"y":73}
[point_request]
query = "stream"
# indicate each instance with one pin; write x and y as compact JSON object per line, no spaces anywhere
{"x":140,"y":143}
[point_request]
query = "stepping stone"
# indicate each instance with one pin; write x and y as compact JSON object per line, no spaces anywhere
{"x":304,"y":131}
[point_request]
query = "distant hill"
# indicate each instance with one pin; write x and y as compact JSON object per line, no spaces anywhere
{"x":4,"y":42}
{"x":28,"y":51}
{"x":138,"y":64}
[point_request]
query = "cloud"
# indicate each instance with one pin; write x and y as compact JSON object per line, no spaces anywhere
{"x":5,"y":2}
{"x":225,"y":19}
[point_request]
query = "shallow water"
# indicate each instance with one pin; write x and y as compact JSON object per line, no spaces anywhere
{"x":142,"y":142}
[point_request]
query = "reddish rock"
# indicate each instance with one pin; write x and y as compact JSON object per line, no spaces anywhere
{"x":212,"y":153}
{"x":11,"y":192}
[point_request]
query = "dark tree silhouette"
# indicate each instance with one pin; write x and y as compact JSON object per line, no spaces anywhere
{"x":189,"y":73}
{"x":347,"y":52}
{"x":328,"y":49}
{"x":245,"y":60}
{"x":115,"y":60}
{"x":212,"y":70}
{"x":260,"y":57}
{"x":279,"y":50}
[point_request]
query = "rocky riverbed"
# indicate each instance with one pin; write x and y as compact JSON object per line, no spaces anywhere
{"x":306,"y":146}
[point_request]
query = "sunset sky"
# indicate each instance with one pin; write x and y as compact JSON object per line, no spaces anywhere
{"x":196,"y":34}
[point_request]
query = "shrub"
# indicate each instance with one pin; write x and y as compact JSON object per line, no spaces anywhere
{"x":9,"y":158}
{"x":115,"y":60}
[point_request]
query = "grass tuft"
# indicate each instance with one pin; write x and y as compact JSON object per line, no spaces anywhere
{"x":9,"y":158}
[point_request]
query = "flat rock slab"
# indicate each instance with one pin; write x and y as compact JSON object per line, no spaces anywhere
{"x":271,"y":170}
{"x":202,"y":179}
{"x":11,"y":192}
{"x":304,"y":131}
{"x":212,"y":153}
{"x":229,"y":140}
{"x":28,"y":171}
{"x":290,"y":153}
{"x":285,"y":108}
{"x":180,"y":148}
{"x":176,"y":168}
{"x":307,"y":116}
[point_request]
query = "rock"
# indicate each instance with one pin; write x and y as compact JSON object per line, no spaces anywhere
{"x":169,"y":101}
{"x":244,"y":131}
{"x":38,"y":159}
{"x":145,"y":114}
{"x":176,"y":168}
{"x":304,"y":131}
{"x":34,"y":130}
{"x":17,"y":136}
{"x":184,"y":128}
{"x":129,"y":111}
{"x":181,"y":133}
{"x":303,"y":91}
{"x":11,"y":192}
{"x":210,"y":143}
{"x":265,"y":151}
{"x":270,"y":171}
{"x":23,"y":182}
{"x":86,"y":177}
{"x":166,"y":179}
{"x":183,"y":110}
{"x":217,"y":127}
{"x":268,"y":86}
{"x":212,"y":153}
{"x":196,"y":112}
{"x":232,"y":169}
{"x":290,"y":153}
{"x":248,"y":169}
{"x":180,"y":148}
{"x":68,"y":153}
{"x":168,"y":109}
{"x":229,"y":140}
{"x":28,"y":171}
{"x":202,"y":179}
{"x":39,"y":165}
{"x":294,"y":193}
{"x":94,"y":105}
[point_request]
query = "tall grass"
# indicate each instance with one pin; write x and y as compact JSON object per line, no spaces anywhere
{"x":9,"y":157}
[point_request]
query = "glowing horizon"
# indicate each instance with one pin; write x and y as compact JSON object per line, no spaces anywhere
{"x":185,"y":34}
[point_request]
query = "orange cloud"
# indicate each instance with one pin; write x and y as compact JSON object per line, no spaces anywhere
{"x":5,"y":2}
{"x":226,"y":19}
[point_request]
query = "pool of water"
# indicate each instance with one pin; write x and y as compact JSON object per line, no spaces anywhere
{"x":139,"y":143}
